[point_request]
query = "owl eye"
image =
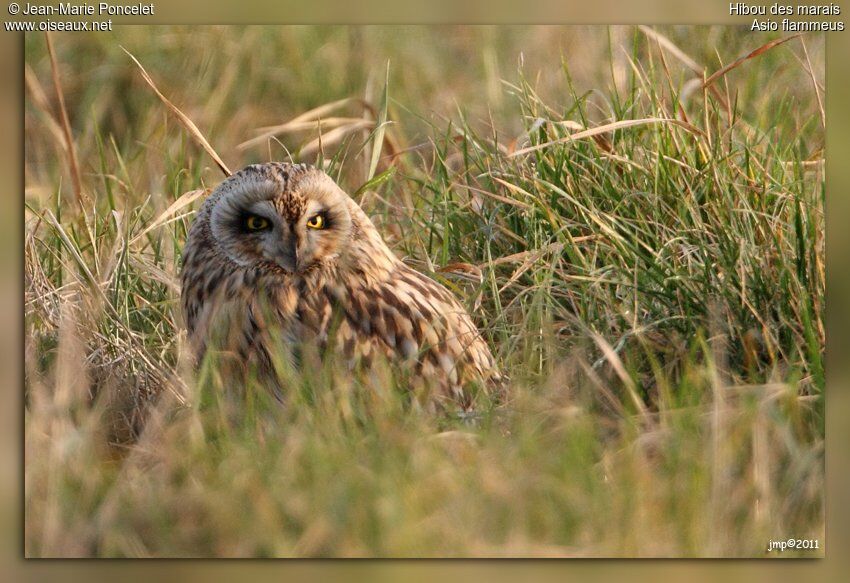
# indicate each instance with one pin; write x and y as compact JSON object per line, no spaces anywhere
{"x":255,"y":223}
{"x":316,"y":222}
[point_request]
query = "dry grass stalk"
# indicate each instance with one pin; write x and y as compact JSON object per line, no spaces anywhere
{"x":609,"y":127}
{"x":182,"y":117}
{"x":66,"y":126}
{"x":764,"y":48}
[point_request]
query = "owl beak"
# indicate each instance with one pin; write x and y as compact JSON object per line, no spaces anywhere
{"x":287,"y":263}
{"x":287,"y":256}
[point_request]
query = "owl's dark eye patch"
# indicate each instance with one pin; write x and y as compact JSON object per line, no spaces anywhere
{"x":318,"y":221}
{"x":252,"y":223}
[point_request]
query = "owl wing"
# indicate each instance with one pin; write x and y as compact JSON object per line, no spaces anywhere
{"x":410,"y":317}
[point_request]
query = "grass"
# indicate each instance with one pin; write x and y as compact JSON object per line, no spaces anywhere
{"x":654,"y":291}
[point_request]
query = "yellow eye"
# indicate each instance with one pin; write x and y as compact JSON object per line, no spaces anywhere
{"x":316,"y":222}
{"x":255,"y":223}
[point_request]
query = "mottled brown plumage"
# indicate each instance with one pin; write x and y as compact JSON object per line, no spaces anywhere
{"x":279,"y":258}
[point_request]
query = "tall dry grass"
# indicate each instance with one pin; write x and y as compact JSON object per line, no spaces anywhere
{"x":634,"y":220}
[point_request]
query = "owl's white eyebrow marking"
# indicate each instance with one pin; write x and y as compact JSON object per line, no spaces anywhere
{"x":315,"y":207}
{"x":263,"y":208}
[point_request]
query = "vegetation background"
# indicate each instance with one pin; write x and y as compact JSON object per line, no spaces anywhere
{"x":633,"y":216}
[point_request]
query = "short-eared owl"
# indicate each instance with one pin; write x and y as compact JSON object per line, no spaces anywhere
{"x":279,"y":257}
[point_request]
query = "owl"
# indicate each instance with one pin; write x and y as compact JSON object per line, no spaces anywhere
{"x":279,"y":259}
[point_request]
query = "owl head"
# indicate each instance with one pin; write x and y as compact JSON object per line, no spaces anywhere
{"x":288,"y":217}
